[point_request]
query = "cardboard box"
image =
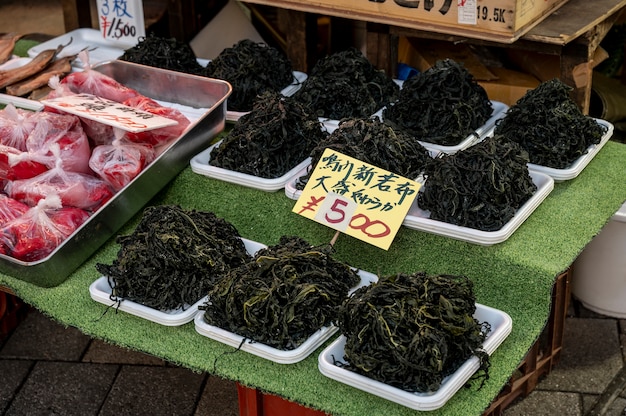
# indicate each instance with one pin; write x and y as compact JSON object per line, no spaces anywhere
{"x":499,"y":20}
{"x":502,"y":84}
{"x":546,"y":67}
{"x":421,"y":54}
{"x":510,"y":86}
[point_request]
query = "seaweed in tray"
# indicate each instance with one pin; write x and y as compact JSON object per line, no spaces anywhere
{"x":442,"y":105}
{"x":161,"y":52}
{"x":372,"y":141}
{"x":480,"y":187}
{"x":549,"y":125}
{"x":173,"y":257}
{"x":410,"y":331}
{"x":290,"y":291}
{"x":276,"y":136}
{"x":251,"y":68}
{"x":346,"y":84}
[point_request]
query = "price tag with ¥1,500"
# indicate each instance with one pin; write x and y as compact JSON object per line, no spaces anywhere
{"x":356,"y":198}
{"x":121,"y":21}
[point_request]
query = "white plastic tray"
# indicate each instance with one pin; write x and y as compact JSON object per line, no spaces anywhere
{"x":14,"y":62}
{"x":485,"y":130}
{"x":501,"y":325}
{"x":100,"y":291}
{"x":270,"y":353}
{"x":418,"y":219}
{"x":579,"y":164}
{"x":100,"y":49}
{"x":200,"y":165}
{"x":290,"y":187}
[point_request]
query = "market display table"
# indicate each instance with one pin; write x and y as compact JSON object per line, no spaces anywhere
{"x":515,"y":276}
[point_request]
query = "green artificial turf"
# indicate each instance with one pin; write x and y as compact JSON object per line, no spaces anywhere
{"x":515,"y":276}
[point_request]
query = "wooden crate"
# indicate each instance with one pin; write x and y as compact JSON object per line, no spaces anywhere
{"x":496,"y":20}
{"x":543,"y":355}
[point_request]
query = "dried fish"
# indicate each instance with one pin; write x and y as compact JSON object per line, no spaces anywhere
{"x":59,"y":67}
{"x":7,"y":44}
{"x":38,"y":63}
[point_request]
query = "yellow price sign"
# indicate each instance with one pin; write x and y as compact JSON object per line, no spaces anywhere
{"x":356,"y":198}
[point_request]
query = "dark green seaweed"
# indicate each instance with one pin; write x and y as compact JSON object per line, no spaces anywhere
{"x":442,"y":105}
{"x":372,"y":141}
{"x":549,"y":125}
{"x":165,"y":53}
{"x":346,"y":84}
{"x":290,"y":291}
{"x":173,"y":257}
{"x":251,"y":68}
{"x":410,"y":331}
{"x":272,"y":139}
{"x":480,"y":187}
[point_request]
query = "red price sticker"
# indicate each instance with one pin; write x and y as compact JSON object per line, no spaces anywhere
{"x":357,"y":198}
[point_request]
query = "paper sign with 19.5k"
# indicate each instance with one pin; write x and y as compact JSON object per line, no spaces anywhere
{"x":356,"y":198}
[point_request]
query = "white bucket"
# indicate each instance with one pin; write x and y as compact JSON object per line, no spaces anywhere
{"x":599,"y":272}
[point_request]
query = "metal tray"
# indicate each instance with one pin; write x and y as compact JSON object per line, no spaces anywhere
{"x":161,"y":85}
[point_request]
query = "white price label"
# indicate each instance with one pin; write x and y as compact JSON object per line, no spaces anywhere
{"x":336,"y":212}
{"x":109,"y":112}
{"x":121,"y":21}
{"x":467,"y":12}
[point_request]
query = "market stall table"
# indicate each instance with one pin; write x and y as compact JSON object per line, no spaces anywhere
{"x":515,"y":276}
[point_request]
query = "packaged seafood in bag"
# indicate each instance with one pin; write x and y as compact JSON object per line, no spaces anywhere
{"x":161,"y":136}
{"x":10,"y":209}
{"x":16,"y":164}
{"x":74,"y":189}
{"x":120,"y":162}
{"x":15,"y":126}
{"x":65,"y":132}
{"x":38,"y":231}
{"x":95,"y":83}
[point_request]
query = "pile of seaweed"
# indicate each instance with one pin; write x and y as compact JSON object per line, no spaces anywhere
{"x":277,"y":135}
{"x":173,"y":257}
{"x":442,"y":105}
{"x":290,"y":291}
{"x":411,"y":331}
{"x":480,"y":187}
{"x":165,"y":53}
{"x":550,"y":126}
{"x":251,"y":68}
{"x":372,"y":141}
{"x":346,"y":84}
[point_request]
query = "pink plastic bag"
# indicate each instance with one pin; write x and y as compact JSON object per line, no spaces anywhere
{"x":66,"y":132}
{"x":120,"y":162}
{"x":15,"y":164}
{"x":96,"y":83}
{"x":15,"y":126}
{"x":73,"y":188}
{"x":38,"y":231}
{"x":157,"y":137}
{"x":10,"y":209}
